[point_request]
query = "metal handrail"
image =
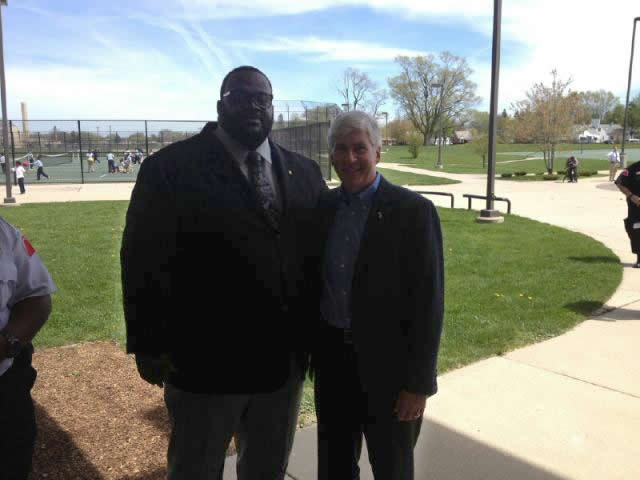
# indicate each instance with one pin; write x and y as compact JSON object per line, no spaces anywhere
{"x":470,"y":196}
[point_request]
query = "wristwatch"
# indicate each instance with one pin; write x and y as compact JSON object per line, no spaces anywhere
{"x":14,"y":345}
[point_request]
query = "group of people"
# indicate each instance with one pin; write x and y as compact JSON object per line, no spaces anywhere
{"x":297,"y":279}
{"x":128,"y":160}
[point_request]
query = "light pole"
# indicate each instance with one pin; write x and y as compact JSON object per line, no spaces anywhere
{"x":490,"y":215}
{"x":623,"y":160}
{"x":439,"y":86}
{"x":386,"y":117}
{"x":5,"y":123}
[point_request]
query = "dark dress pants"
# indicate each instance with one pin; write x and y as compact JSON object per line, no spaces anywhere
{"x":17,"y":418}
{"x":346,"y":413}
{"x":41,"y":173}
{"x":202,"y":426}
{"x":21,"y":185}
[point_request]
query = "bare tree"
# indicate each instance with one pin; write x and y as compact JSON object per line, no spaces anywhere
{"x":414,"y":90}
{"x":598,"y":103}
{"x":547,"y":115}
{"x":360,"y":92}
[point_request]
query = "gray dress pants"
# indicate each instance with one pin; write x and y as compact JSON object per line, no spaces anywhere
{"x":202,"y":426}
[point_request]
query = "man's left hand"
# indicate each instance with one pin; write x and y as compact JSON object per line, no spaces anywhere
{"x":410,"y":406}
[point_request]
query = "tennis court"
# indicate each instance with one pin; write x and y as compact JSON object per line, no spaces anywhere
{"x":65,"y":168}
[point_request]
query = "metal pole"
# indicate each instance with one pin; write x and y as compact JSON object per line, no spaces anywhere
{"x":439,"y":164}
{"x":623,"y":160}
{"x":489,"y":214}
{"x":13,"y":153}
{"x":5,"y":127}
{"x":146,"y":137}
{"x":80,"y":153}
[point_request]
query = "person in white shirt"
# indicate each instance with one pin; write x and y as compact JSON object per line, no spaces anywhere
{"x":20,"y":176}
{"x":25,"y":305}
{"x":110,"y":163}
{"x":91,"y":162}
{"x":40,"y":166}
{"x":614,"y":163}
{"x":3,"y":163}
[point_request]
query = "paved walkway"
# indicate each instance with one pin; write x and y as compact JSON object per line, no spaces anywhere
{"x":566,"y":408}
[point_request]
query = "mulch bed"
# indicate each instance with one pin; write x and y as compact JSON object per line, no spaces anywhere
{"x":96,"y":418}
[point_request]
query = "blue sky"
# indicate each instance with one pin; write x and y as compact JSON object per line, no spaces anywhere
{"x":137,"y":59}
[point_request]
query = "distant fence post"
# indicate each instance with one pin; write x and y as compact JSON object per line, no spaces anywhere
{"x":13,"y":153}
{"x":80,"y":153}
{"x":146,"y":137}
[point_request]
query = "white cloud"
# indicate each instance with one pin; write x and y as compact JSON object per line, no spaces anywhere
{"x":319,"y":49}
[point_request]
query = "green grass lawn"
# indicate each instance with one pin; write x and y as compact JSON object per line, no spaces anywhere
{"x":405,"y":178}
{"x":507,"y":285}
{"x":509,"y":158}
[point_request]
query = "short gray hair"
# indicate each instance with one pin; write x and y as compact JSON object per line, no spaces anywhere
{"x":346,"y":122}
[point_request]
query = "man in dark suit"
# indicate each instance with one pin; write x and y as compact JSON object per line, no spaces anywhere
{"x":216,"y":285}
{"x":381,"y":311}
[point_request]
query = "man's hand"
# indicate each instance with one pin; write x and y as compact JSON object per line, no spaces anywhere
{"x":154,"y":369}
{"x":410,"y":406}
{"x":635,"y":199}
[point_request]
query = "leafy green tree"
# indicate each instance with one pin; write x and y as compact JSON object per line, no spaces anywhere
{"x":416,"y":92}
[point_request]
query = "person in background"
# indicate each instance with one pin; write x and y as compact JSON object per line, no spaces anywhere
{"x":628,"y":182}
{"x":614,"y":163}
{"x":25,"y":305}
{"x":110,"y":163}
{"x":90,"y":162}
{"x":3,"y":163}
{"x":20,"y":171}
{"x":40,"y":166}
{"x":572,"y":169}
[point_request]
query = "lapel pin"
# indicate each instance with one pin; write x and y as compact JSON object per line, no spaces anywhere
{"x":379,"y":215}
{"x":290,"y":172}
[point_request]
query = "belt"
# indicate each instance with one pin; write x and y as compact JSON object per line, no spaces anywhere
{"x":336,"y":334}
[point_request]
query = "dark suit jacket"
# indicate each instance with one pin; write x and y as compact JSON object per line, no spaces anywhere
{"x":206,"y":279}
{"x":397,"y":291}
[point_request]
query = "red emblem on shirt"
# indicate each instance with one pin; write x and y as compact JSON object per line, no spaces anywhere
{"x":625,"y":173}
{"x":28,"y":247}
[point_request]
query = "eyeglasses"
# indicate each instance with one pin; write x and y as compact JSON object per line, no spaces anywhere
{"x":243,"y":96}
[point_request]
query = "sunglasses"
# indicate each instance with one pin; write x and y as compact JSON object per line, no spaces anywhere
{"x":245,"y":97}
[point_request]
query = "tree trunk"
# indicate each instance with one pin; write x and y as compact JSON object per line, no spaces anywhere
{"x":483,"y":160}
{"x":425,"y":139}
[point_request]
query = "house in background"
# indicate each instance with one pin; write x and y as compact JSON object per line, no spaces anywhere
{"x":599,"y":133}
{"x":462,"y":136}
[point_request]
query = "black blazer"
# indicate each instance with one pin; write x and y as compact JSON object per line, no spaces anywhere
{"x":206,"y":279}
{"x":397,"y":298}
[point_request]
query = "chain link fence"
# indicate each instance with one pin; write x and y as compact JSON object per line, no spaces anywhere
{"x":75,"y":151}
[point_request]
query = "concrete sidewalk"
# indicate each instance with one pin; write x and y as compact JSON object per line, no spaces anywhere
{"x":566,"y":408}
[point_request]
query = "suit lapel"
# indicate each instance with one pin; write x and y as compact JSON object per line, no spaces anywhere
{"x":375,"y":228}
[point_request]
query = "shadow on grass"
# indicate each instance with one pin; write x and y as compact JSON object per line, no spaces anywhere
{"x":596,"y":259}
{"x":584,"y":307}
{"x":56,"y":456}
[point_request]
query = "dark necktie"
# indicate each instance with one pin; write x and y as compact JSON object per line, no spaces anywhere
{"x":264,"y":192}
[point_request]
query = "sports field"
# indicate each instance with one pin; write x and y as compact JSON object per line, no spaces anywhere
{"x":66,"y":169}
